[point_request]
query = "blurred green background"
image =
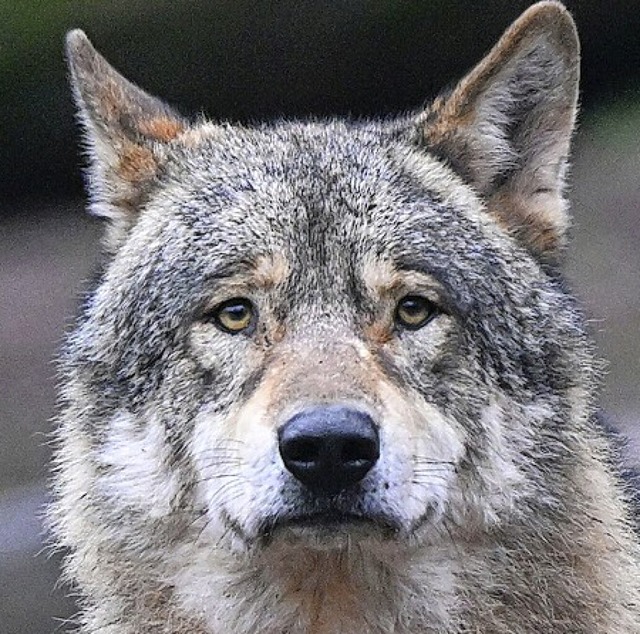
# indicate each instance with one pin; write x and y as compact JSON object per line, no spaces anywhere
{"x":240,"y":60}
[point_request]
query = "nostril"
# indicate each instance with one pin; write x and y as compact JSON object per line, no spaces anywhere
{"x":359,"y":451}
{"x":303,"y":450}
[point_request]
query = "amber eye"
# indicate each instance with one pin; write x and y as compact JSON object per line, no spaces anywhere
{"x":414,"y":312}
{"x":234,"y":315}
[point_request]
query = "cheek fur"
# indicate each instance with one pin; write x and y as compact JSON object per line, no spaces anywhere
{"x":135,"y":461}
{"x":421,"y":448}
{"x":238,"y":466}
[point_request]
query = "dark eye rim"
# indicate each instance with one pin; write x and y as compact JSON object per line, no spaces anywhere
{"x":433,"y":311}
{"x":212,"y":315}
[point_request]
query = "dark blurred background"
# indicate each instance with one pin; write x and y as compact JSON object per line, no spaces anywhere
{"x":246,"y":61}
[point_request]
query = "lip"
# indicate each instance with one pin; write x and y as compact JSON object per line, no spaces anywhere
{"x":323,"y":522}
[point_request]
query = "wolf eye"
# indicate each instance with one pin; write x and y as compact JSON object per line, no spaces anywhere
{"x":413,"y":312}
{"x":233,"y":316}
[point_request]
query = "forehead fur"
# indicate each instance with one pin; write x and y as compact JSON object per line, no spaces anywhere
{"x":353,"y":183}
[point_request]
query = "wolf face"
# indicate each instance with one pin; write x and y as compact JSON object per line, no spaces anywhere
{"x":326,"y":346}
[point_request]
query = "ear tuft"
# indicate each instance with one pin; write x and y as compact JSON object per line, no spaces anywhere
{"x":506,"y":127}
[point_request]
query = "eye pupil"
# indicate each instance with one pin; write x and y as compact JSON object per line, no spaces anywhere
{"x":236,"y":313}
{"x":414,"y":312}
{"x":411,"y":306}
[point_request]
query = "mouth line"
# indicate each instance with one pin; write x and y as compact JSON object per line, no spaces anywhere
{"x":327,"y":520}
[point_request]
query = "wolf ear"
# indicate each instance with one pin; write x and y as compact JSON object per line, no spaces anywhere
{"x":506,"y":127}
{"x":127,"y":132}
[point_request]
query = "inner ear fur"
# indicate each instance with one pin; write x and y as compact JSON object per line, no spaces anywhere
{"x":506,"y":127}
{"x":127,"y":132}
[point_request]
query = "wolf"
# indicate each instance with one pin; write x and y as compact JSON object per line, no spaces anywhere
{"x":331,"y":379}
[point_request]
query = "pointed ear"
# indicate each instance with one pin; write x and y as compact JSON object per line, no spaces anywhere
{"x":127,"y":132}
{"x":506,"y":127}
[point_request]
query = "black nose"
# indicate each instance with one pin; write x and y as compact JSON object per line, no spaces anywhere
{"x":329,"y":448}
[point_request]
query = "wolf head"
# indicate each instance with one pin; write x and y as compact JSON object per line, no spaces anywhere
{"x":325,"y":336}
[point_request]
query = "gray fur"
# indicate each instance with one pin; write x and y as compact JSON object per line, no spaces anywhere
{"x":495,"y":507}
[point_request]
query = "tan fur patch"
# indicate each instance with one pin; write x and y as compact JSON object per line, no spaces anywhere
{"x":331,"y":601}
{"x":303,"y":374}
{"x":445,"y":117}
{"x":542,"y":226}
{"x":378,"y":334}
{"x":383,"y":280}
{"x":380,"y":276}
{"x":270,"y":270}
{"x":137,"y":164}
{"x":192,"y":137}
{"x":161,"y":128}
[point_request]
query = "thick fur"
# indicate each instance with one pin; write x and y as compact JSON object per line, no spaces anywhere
{"x":495,"y":506}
